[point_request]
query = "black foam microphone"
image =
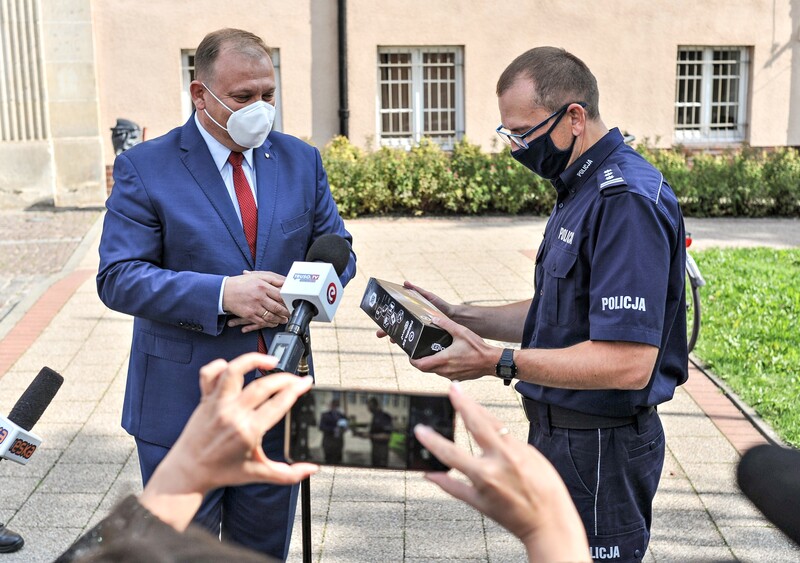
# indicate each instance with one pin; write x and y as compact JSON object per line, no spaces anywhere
{"x":17,"y":442}
{"x":769,"y":476}
{"x":312,"y":291}
{"x":332,"y":249}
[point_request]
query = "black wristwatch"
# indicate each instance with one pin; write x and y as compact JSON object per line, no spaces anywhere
{"x":506,"y":369}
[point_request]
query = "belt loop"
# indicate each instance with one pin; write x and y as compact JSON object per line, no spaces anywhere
{"x":544,"y":419}
{"x":642,"y":417}
{"x":537,"y":413}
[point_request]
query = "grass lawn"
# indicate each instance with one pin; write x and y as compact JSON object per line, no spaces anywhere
{"x":750,"y":329}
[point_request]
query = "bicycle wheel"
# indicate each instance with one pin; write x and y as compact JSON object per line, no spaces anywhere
{"x":692,"y":313}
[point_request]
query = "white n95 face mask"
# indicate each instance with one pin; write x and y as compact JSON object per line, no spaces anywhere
{"x":248,"y":126}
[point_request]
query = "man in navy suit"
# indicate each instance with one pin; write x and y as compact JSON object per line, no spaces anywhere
{"x":202,"y":225}
{"x":333,"y":424}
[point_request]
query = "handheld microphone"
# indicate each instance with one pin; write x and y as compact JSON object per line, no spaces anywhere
{"x":312,"y":291}
{"x":767,"y":475}
{"x":17,"y":442}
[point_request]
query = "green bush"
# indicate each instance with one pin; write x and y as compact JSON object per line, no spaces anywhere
{"x":427,"y":180}
{"x":781,"y":176}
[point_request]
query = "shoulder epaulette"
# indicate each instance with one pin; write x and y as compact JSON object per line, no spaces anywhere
{"x":610,"y":181}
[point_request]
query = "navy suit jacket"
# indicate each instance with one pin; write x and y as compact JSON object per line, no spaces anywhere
{"x":171,"y":234}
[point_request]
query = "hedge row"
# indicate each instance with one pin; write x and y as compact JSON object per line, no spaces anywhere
{"x":428,"y":180}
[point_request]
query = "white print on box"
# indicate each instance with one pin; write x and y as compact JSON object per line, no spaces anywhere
{"x":387,"y":314}
{"x":408,"y":335}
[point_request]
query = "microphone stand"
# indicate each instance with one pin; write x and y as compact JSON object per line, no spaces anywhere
{"x":305,"y":484}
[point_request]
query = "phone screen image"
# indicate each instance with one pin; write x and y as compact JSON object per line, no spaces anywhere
{"x":360,"y":428}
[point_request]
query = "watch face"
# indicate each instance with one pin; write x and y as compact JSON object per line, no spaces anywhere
{"x":505,"y":371}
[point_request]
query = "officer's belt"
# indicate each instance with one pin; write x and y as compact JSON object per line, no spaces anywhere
{"x":560,"y":417}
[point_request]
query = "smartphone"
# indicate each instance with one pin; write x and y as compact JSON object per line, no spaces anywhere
{"x":363,"y":428}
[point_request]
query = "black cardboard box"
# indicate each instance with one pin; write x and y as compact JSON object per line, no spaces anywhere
{"x":405,"y":315}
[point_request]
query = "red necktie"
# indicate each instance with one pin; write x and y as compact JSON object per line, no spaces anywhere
{"x":247,"y":207}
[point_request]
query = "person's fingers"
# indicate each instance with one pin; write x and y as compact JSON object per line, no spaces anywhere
{"x":484,"y":427}
{"x":232,"y":379}
{"x":262,"y":389}
{"x":276,"y":310}
{"x":446,"y":451}
{"x":278,"y":472}
{"x":425,"y":293}
{"x":380,"y":333}
{"x":271,"y":278}
{"x":254,"y":327}
{"x":273,"y":319}
{"x":446,"y":324}
{"x":456,"y":488}
{"x":408,"y":285}
{"x":285,"y":395}
{"x":209,"y":375}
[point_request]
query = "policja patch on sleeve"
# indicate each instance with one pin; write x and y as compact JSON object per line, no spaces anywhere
{"x":610,"y":181}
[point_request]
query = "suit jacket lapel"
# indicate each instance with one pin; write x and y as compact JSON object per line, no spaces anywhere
{"x":266,"y":165}
{"x":198,"y":161}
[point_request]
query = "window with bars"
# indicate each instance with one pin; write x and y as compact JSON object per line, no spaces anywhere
{"x":420,"y":94}
{"x":187,"y":74}
{"x":711,"y":94}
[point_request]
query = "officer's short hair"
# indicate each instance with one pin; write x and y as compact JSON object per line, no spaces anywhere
{"x":212,"y":44}
{"x":559,"y":77}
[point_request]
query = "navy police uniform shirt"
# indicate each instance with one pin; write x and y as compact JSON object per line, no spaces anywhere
{"x":611,"y":267}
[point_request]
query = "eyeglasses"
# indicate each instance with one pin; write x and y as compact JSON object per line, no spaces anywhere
{"x":518,"y":139}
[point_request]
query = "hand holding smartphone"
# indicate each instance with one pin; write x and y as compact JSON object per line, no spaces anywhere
{"x":364,"y":428}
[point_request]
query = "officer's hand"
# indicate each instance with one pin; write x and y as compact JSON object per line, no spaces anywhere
{"x":255,"y":300}
{"x":468,"y":357}
{"x":435,"y":300}
{"x":511,"y":482}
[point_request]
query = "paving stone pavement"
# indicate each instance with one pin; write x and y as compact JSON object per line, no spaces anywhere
{"x":87,"y":462}
{"x":36,"y":244}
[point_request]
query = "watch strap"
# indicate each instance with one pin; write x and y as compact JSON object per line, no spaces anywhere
{"x":506,"y":369}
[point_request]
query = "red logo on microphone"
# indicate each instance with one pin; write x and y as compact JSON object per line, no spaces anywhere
{"x":331,"y":293}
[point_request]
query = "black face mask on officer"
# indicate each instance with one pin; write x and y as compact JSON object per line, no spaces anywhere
{"x":542,"y":156}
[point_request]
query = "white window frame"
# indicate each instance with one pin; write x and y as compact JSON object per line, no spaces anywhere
{"x":705,"y":131}
{"x":187,"y":75}
{"x":417,"y":97}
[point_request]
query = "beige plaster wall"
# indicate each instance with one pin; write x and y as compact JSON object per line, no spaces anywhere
{"x":630,"y":45}
{"x":59,"y":155}
{"x":139,"y":67}
{"x":68,"y":54}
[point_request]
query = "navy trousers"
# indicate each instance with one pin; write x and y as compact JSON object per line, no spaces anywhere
{"x":612,"y":475}
{"x":256,"y":516}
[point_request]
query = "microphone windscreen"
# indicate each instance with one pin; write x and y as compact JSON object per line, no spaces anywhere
{"x":36,"y":398}
{"x":331,"y":249}
{"x":770,"y":477}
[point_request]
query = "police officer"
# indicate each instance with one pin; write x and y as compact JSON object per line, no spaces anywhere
{"x":380,"y":432}
{"x":333,"y":424}
{"x":604,"y":336}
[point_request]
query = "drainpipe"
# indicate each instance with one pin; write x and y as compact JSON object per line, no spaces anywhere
{"x":344,"y":110}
